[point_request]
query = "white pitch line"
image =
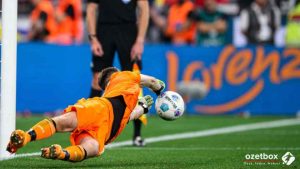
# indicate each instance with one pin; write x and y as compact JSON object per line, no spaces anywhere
{"x":209,"y":148}
{"x":211,"y":132}
{"x":21,"y":155}
{"x":201,"y":133}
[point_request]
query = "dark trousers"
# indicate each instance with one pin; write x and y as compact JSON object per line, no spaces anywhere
{"x":116,"y":38}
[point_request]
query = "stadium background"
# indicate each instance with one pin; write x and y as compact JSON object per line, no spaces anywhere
{"x":57,"y":75}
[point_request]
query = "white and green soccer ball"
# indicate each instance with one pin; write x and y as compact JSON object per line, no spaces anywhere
{"x":169,"y":105}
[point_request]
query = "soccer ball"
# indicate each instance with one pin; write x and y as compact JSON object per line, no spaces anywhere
{"x":169,"y":105}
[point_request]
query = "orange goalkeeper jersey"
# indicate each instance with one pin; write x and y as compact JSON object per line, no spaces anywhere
{"x":95,"y":116}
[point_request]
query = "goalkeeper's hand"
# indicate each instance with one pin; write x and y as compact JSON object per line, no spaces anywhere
{"x":163,"y":86}
{"x":146,"y":102}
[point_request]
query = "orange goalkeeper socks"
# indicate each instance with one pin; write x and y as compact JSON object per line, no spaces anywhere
{"x":73,"y":153}
{"x":42,"y":129}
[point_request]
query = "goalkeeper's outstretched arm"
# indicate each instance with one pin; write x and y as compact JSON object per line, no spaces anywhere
{"x":156,"y":85}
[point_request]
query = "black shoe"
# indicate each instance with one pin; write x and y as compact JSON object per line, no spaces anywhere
{"x":138,"y":142}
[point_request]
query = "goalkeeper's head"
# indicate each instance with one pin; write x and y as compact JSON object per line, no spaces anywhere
{"x":104,"y":76}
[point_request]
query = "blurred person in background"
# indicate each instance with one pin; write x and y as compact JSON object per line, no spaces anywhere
{"x":293,"y":27}
{"x":243,"y":4}
{"x":43,"y":23}
{"x":70,"y":22}
{"x":284,"y":6}
{"x":179,"y":27}
{"x":259,"y":22}
{"x":158,"y":14}
{"x":117,"y":28}
{"x":201,"y":3}
{"x":211,"y":25}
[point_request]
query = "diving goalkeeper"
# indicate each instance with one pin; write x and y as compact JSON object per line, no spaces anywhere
{"x":93,"y":122}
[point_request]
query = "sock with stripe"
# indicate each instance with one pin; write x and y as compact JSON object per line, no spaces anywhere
{"x":73,"y":153}
{"x":42,"y":129}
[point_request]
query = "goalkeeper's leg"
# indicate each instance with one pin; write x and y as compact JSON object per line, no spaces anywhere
{"x":88,"y":147}
{"x":42,"y":130}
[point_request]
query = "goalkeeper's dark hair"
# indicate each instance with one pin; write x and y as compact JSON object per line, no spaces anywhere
{"x":104,"y":76}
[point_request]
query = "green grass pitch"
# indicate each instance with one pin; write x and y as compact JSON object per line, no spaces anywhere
{"x":218,"y":151}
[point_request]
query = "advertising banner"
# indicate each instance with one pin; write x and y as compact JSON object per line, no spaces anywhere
{"x":257,"y":80}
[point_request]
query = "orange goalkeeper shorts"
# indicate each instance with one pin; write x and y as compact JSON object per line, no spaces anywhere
{"x":94,"y":118}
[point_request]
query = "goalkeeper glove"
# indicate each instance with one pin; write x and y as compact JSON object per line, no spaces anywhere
{"x":162,"y":84}
{"x":146,"y":102}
